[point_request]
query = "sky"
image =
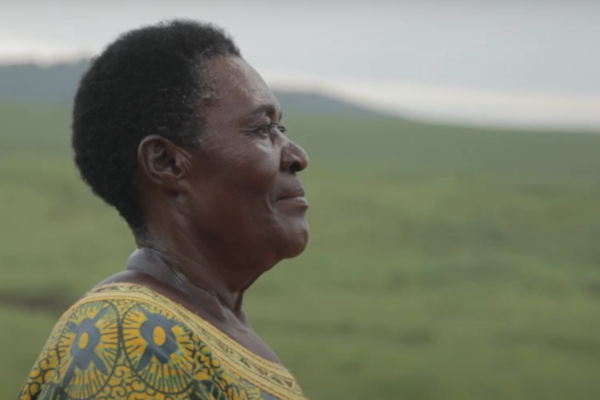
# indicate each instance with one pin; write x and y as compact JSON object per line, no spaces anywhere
{"x":509,"y":62}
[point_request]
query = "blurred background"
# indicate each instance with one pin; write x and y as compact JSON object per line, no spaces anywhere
{"x":454,"y":188}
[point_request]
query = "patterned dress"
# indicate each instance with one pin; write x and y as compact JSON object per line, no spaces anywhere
{"x":125,"y":341}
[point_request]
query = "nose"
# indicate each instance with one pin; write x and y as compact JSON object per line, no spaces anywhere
{"x":293,"y":158}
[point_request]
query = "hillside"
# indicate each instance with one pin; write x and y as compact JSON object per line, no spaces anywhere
{"x":29,"y":83}
{"x":444,"y":262}
{"x":428,"y":245}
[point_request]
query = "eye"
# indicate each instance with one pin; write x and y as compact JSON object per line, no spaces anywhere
{"x":263,"y":130}
{"x":269,"y":129}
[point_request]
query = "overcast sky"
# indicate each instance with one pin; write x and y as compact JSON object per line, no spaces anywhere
{"x":525,"y":62}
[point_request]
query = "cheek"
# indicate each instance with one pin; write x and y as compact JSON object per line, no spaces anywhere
{"x":254,"y":170}
{"x":239,"y":180}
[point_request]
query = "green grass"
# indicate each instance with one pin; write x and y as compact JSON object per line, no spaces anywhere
{"x":444,"y":263}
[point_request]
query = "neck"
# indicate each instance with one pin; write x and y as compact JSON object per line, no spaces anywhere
{"x":183,"y":266}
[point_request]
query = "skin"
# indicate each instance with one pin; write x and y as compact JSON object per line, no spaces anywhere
{"x":220,"y":216}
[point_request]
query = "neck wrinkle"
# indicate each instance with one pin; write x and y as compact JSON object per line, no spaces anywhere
{"x":194,"y":263}
{"x":195,"y":277}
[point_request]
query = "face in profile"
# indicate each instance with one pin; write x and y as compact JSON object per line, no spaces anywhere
{"x":245,"y":191}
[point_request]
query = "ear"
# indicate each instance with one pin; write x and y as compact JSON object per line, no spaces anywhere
{"x":164,"y":163}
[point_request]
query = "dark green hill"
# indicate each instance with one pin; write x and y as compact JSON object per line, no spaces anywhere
{"x":29,"y":83}
{"x":317,"y":104}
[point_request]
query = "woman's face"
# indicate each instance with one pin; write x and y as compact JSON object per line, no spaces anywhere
{"x":245,"y":194}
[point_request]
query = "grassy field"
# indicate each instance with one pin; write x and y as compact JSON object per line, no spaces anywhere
{"x":444,"y":263}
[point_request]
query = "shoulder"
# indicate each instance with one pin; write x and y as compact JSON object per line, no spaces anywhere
{"x":114,"y":343}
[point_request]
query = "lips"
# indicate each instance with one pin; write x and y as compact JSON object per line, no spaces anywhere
{"x":301,"y":201}
{"x":295,"y":195}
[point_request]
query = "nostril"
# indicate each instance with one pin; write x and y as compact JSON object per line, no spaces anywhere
{"x":295,"y":167}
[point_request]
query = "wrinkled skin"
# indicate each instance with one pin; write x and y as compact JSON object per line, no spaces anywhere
{"x":219,"y":216}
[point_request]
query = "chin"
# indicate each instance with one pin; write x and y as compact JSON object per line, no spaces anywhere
{"x":295,"y":242}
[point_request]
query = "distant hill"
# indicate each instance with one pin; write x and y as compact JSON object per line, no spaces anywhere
{"x":317,"y":104}
{"x":30,"y":83}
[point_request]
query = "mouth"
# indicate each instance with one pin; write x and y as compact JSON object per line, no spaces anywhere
{"x":296,"y":199}
{"x":297,"y":196}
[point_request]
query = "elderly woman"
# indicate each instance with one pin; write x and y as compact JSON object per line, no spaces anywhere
{"x":176,"y":131}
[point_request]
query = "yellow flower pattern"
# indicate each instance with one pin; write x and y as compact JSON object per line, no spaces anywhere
{"x":125,"y":341}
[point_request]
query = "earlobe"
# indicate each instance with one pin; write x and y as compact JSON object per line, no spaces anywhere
{"x":164,"y":163}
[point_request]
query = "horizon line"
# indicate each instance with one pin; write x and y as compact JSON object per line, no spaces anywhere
{"x":421,"y":101}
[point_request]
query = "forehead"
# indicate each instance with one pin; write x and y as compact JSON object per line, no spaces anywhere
{"x":240,"y":89}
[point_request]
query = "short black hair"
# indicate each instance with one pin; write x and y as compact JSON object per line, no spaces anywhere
{"x":149,"y":81}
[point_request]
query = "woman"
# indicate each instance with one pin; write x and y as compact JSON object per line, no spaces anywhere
{"x":176,"y":131}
